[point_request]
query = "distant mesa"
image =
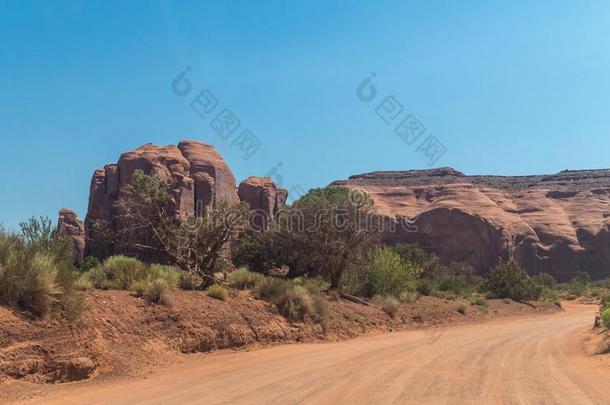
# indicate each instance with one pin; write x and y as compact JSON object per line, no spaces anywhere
{"x":550,"y":223}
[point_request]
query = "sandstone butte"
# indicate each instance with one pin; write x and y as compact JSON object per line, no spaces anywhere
{"x":199,"y":176}
{"x":549,"y":223}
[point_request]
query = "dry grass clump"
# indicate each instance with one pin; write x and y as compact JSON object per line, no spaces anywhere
{"x":217,"y":291}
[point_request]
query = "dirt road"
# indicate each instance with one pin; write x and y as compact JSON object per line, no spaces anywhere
{"x":537,"y":360}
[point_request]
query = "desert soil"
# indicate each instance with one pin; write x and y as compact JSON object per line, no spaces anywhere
{"x":525,"y":360}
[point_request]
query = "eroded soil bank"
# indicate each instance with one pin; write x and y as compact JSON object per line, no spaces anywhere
{"x":121,"y":335}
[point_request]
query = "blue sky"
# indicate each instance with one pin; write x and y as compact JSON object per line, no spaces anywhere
{"x":507,"y":87}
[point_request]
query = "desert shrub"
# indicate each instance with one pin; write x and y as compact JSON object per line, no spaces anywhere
{"x":315,"y":285}
{"x":507,"y":301}
{"x":36,"y":270}
{"x":455,"y":283}
{"x":390,"y":306}
{"x":582,"y":278}
{"x":479,"y":301}
{"x":385,"y":273}
{"x":244,"y":279}
{"x":408,"y":297}
{"x":510,"y":280}
{"x":462,"y":309}
{"x":545,"y":280}
{"x":605,"y":300}
{"x":321,"y":311}
{"x":428,"y":262}
{"x":88,"y":263}
{"x":606,"y":318}
{"x":292,"y":301}
{"x":83,"y":283}
{"x":124,"y":271}
{"x":217,"y":291}
{"x":97,"y":277}
{"x":269,"y":288}
{"x":140,"y":287}
{"x":158,"y":292}
{"x":548,"y":294}
{"x":425,"y":286}
{"x":171,"y":274}
{"x":189,"y":281}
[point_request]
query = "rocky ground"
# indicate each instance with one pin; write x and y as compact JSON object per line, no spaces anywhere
{"x":121,"y":335}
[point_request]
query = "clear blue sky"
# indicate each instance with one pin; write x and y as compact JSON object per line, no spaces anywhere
{"x":508,"y":87}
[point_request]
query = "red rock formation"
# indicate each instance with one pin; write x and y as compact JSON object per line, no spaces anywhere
{"x":264,"y":198}
{"x":557,"y":224}
{"x":71,"y":227}
{"x":196,"y":171}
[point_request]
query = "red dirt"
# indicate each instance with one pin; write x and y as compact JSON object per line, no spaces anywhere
{"x":121,"y":335}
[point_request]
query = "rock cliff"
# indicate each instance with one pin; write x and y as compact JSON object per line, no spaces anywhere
{"x":199,"y":177}
{"x":550,"y":223}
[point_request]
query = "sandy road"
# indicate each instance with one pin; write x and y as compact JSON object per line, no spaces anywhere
{"x":537,"y":360}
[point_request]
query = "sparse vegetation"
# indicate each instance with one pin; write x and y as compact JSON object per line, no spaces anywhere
{"x":36,"y":270}
{"x":244,"y":279}
{"x":158,"y":292}
{"x":217,"y":291}
{"x":606,"y":318}
{"x":122,"y":271}
{"x":390,"y":306}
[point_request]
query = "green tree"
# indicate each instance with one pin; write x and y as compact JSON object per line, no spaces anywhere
{"x":510,"y":280}
{"x":150,"y":223}
{"x":388,"y":274}
{"x":325,"y":231}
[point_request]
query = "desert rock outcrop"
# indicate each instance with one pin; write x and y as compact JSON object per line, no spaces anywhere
{"x":198,"y":174}
{"x":556,"y":223}
{"x":70,"y":226}
{"x":263,"y":197}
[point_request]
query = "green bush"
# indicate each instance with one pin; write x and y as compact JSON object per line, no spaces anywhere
{"x":605,"y":300}
{"x":97,"y":277}
{"x":83,"y":283}
{"x":158,"y":292}
{"x":606,"y":318}
{"x":549,"y":294}
{"x":390,"y":306}
{"x":124,"y":271}
{"x":170,"y":274}
{"x":456,"y":284}
{"x":425,"y":286}
{"x":140,"y":287}
{"x":384,"y":273}
{"x":89,"y":262}
{"x":36,"y":270}
{"x":545,"y":280}
{"x":189,"y":281}
{"x":269,"y":288}
{"x":217,"y":291}
{"x":509,"y":280}
{"x":244,"y":279}
{"x":315,"y":285}
{"x":292,"y":301}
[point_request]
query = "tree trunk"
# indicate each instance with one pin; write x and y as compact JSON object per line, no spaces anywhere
{"x":335,"y":278}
